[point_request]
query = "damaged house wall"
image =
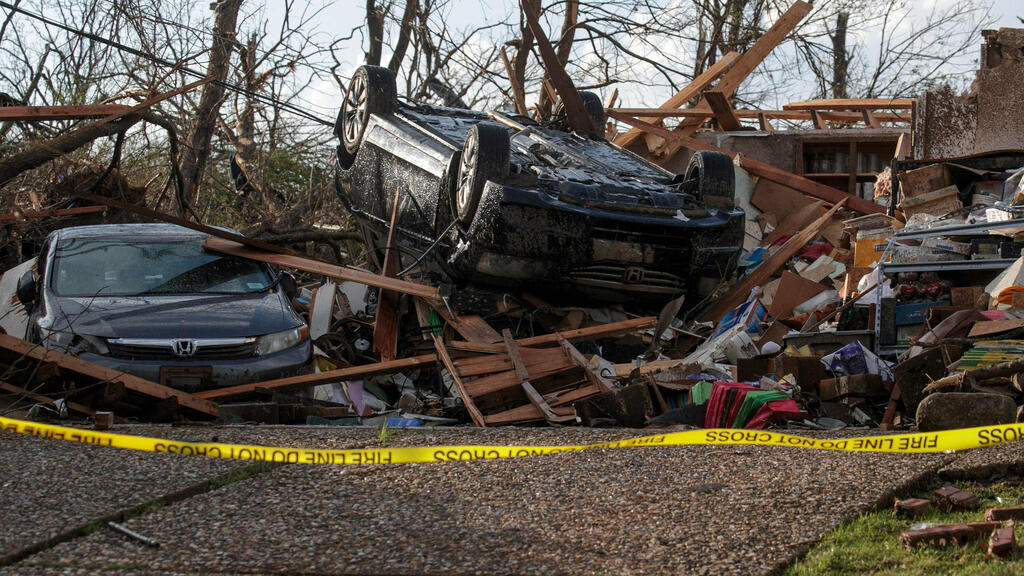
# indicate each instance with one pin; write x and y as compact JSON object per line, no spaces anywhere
{"x":988,"y":117}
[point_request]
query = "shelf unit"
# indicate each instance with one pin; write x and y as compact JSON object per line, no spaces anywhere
{"x":845,"y":160}
{"x":886,"y":269}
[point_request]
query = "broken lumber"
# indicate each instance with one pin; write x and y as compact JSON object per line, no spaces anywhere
{"x":31,"y":215}
{"x":655,"y":114}
{"x":852,"y":104}
{"x":575,"y":111}
{"x":689,"y":92}
{"x":744,"y":65}
{"x":331,"y":376}
{"x":532,"y":395}
{"x":738,"y":293}
{"x":37,"y":352}
{"x":467,"y":400}
{"x":335,"y":271}
{"x":724,"y":114}
{"x":790,"y":180}
{"x":41,"y":399}
{"x":40,"y":113}
{"x":592,"y":332}
{"x":385,"y":323}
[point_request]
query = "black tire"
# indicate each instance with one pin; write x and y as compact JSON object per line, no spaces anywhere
{"x":485,"y":156}
{"x":595,"y":108}
{"x":336,"y":346}
{"x":713,"y":176}
{"x":371,"y":91}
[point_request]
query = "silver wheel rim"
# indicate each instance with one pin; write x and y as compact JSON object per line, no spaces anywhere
{"x":355,"y":109}
{"x":467,"y":171}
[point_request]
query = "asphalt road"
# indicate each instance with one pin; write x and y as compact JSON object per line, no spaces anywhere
{"x":663,"y":510}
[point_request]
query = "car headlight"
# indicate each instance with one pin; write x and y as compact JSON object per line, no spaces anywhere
{"x":278,"y":341}
{"x":75,"y":344}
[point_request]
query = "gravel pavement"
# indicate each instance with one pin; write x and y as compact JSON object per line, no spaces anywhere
{"x":665,"y":510}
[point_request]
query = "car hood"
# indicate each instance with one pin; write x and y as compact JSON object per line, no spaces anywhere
{"x":193,"y":316}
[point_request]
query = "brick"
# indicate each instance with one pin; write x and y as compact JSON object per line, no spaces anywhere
{"x":997,"y":514}
{"x":951,"y":498}
{"x":948,"y":534}
{"x":1002,"y":543}
{"x":912,"y":507}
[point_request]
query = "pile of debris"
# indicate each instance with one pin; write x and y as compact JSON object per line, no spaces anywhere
{"x":997,"y":527}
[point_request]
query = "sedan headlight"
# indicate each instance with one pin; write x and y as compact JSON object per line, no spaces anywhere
{"x":75,"y":344}
{"x":278,"y":341}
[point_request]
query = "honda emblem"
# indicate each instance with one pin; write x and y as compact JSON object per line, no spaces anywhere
{"x":183,"y":347}
{"x":633,"y":275}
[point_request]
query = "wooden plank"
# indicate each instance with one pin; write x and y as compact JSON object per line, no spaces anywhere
{"x":104,"y":374}
{"x":460,"y":386}
{"x":385,"y":322}
{"x":331,"y":376}
{"x":307,"y":264}
{"x":506,"y":380}
{"x":852,"y":104}
{"x":689,"y":92}
{"x":532,"y":395}
{"x":764,"y":124}
{"x":890,"y":409}
{"x":760,"y":169}
{"x":575,"y":111}
{"x":472,"y":327}
{"x":723,"y":111}
{"x":502,"y":363}
{"x":746,"y":64}
{"x":903,"y":147}
{"x":741,"y":290}
{"x":40,"y":113}
{"x":524,"y":413}
{"x":654,"y":114}
{"x":573,"y":395}
{"x":870,"y":120}
{"x":600,"y":382}
{"x":51,"y":213}
{"x":592,"y":332}
{"x":41,"y":399}
{"x":818,"y":121}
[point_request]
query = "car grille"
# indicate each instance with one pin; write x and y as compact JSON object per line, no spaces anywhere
{"x":629,"y":278}
{"x":221,"y":352}
{"x":642,"y":233}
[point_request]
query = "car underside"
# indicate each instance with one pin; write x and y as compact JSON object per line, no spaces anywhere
{"x":506,"y":202}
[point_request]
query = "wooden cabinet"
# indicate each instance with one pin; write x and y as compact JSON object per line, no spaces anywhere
{"x":849,"y":162}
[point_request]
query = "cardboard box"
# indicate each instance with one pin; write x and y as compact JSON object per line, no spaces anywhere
{"x":947,"y":245}
{"x":915,"y":313}
{"x":966,"y":295}
{"x":867,"y":252}
{"x":924,"y":180}
{"x":937,"y":203}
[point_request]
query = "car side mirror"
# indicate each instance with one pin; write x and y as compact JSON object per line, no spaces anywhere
{"x":288,"y":285}
{"x":27,"y":288}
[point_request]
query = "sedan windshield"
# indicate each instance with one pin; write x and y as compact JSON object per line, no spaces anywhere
{"x":115,"y":267}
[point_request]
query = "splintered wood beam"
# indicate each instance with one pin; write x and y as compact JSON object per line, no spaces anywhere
{"x":329,"y":377}
{"x":870,"y":119}
{"x":52,"y":213}
{"x":103,"y":374}
{"x":852,"y":104}
{"x":40,"y":113}
{"x":460,"y":386}
{"x":746,"y":64}
{"x":689,"y":92}
{"x":385,"y":324}
{"x":739,"y":293}
{"x":575,"y":111}
{"x":532,"y":394}
{"x":335,"y":271}
{"x":653,"y":114}
{"x":589,"y":333}
{"x":818,"y":121}
{"x":760,"y":169}
{"x":764,"y":124}
{"x":903,"y":147}
{"x":724,"y":114}
{"x":603,"y":384}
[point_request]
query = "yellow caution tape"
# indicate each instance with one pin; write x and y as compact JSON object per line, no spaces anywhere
{"x":949,"y":440}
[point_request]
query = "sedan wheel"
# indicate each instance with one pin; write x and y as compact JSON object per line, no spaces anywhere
{"x":485,"y":156}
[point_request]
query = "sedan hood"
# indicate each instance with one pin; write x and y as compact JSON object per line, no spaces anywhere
{"x":192,"y":316}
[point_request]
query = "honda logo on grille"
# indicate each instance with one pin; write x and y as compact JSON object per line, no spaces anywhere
{"x":633,"y":275}
{"x":184,"y":347}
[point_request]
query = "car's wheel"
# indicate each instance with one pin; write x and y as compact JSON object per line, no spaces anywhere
{"x":485,"y":156}
{"x":371,"y":91}
{"x":713,"y":175}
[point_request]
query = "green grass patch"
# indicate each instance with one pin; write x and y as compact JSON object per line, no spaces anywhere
{"x":870,"y":544}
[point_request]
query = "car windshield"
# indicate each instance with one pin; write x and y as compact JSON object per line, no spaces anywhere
{"x":116,"y":267}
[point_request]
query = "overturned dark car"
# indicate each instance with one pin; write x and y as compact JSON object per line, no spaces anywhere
{"x":507,"y":202}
